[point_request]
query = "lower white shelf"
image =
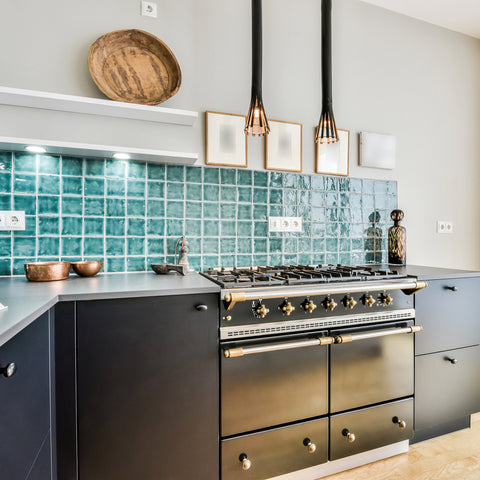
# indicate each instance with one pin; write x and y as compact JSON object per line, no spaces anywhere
{"x":102,"y":151}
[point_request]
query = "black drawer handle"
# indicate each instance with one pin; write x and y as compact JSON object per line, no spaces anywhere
{"x":453,"y":361}
{"x":201,"y":307}
{"x":9,"y":370}
{"x":453,"y":288}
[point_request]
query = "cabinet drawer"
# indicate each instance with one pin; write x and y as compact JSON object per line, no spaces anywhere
{"x":275,"y":452}
{"x":372,"y":428}
{"x":448,"y":317}
{"x":445,"y":391}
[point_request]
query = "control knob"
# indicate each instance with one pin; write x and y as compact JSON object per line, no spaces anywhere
{"x":287,"y":307}
{"x":261,"y":310}
{"x":308,"y":305}
{"x":386,"y":299}
{"x":350,"y":302}
{"x":330,"y":303}
{"x":370,"y":301}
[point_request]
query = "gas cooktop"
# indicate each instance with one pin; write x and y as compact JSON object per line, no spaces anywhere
{"x":261,"y":276}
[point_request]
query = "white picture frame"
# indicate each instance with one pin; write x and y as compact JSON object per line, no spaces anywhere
{"x":226,"y":142}
{"x":334,"y":158}
{"x":284,"y":146}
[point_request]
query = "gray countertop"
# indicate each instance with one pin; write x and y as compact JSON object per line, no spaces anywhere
{"x":26,"y":301}
{"x":430,"y":273}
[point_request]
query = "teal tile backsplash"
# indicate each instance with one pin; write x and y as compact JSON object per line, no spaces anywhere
{"x":130,"y":214}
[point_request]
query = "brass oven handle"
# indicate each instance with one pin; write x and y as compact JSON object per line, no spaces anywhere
{"x":352,"y":337}
{"x":232,"y":297}
{"x":274,"y":347}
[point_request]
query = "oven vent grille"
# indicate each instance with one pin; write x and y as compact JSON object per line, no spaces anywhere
{"x":311,"y":324}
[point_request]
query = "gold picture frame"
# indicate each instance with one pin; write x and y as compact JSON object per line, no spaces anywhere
{"x":226,"y":142}
{"x":334,"y":158}
{"x":284,"y":146}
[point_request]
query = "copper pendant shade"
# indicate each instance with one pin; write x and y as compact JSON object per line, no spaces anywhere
{"x":256,"y":122}
{"x":326,"y":131}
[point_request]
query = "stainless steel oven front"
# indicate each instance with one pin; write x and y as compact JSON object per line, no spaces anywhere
{"x":313,"y":377}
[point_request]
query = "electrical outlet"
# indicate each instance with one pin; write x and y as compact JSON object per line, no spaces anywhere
{"x":12,"y":220}
{"x":148,"y":9}
{"x":444,"y":227}
{"x":284,"y":224}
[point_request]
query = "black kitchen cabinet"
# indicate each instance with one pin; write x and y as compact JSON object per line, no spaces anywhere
{"x":147,"y":373}
{"x":25,"y":403}
{"x":447,"y":386}
{"x":446,"y":310}
{"x":447,"y":359}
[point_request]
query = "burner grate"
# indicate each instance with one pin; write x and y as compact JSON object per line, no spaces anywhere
{"x":261,"y":276}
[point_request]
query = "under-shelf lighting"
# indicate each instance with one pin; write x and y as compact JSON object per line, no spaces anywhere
{"x":35,"y":149}
{"x":121,"y":156}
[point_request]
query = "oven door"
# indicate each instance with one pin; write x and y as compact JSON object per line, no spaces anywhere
{"x":272,"y":381}
{"x":373,"y":364}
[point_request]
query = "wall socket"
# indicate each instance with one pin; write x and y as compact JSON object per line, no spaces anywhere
{"x":284,"y":224}
{"x":12,"y":220}
{"x":148,"y":9}
{"x":444,"y":227}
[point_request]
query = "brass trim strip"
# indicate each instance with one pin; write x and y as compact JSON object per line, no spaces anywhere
{"x":232,"y":297}
{"x":353,"y":337}
{"x":274,"y":347}
{"x":420,"y":285}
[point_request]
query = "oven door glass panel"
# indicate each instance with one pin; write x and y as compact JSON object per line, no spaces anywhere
{"x":370,"y":371}
{"x":272,"y":388}
{"x":275,"y":452}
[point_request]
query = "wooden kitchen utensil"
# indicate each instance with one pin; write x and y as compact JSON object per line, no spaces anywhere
{"x":134,"y":66}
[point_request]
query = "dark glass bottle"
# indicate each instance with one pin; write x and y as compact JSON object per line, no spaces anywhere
{"x":397,"y":240}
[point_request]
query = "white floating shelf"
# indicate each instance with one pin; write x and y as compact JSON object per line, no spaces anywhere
{"x":94,"y":106}
{"x":102,"y":151}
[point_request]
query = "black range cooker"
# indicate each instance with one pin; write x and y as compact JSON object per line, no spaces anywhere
{"x":316,"y":366}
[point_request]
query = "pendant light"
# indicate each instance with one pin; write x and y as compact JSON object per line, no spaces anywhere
{"x":326,"y":130}
{"x":256,"y":122}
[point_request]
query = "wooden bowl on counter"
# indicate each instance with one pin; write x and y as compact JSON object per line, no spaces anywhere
{"x":87,"y":268}
{"x":46,"y":271}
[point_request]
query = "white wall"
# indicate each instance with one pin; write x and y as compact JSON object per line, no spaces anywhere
{"x":391,"y":74}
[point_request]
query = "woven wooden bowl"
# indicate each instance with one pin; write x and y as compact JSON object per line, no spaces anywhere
{"x":134,"y":66}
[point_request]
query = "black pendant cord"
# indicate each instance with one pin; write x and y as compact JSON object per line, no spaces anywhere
{"x":256,"y":121}
{"x":327,"y":129}
{"x":257,"y":48}
{"x":327,"y":101}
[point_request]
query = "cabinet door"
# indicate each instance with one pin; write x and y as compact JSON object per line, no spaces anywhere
{"x":24,"y":399}
{"x":446,"y":310}
{"x":446,"y":386}
{"x":148,"y":388}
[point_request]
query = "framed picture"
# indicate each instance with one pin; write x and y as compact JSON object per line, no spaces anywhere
{"x":226,"y":142}
{"x":333,"y":158}
{"x":283,"y":146}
